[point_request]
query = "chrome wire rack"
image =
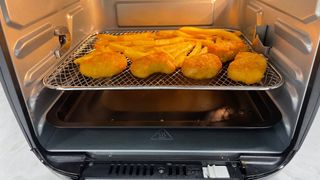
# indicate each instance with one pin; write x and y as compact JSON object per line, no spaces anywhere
{"x":66,"y":76}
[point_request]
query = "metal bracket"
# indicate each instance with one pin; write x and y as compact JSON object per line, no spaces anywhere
{"x":64,"y":36}
{"x":258,"y":41}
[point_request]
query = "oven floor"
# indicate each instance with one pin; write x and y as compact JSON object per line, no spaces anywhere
{"x":165,"y":108}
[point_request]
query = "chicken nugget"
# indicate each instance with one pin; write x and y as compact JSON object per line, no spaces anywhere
{"x":247,"y":67}
{"x":102,"y":64}
{"x":227,"y":50}
{"x":155,"y":62}
{"x":203,"y":66}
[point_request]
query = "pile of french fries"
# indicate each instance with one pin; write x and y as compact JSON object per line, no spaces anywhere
{"x":180,"y":44}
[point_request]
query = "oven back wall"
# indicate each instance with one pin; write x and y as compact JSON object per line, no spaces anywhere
{"x":124,"y":14}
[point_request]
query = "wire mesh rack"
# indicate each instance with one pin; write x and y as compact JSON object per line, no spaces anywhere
{"x":66,"y":76}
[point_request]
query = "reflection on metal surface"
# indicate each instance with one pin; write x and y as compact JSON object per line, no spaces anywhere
{"x":33,"y":40}
{"x":286,"y":65}
{"x":306,"y":11}
{"x":21,"y":13}
{"x":221,"y":114}
{"x":164,"y":13}
{"x":162,"y":101}
{"x":253,"y":19}
{"x":165,"y":108}
{"x":295,"y":36}
{"x":226,"y":13}
{"x":162,"y":135}
{"x":38,"y":70}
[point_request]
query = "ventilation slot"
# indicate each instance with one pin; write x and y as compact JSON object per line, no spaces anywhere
{"x":117,"y":169}
{"x":124,"y":169}
{"x":138,"y":170}
{"x":151,"y":170}
{"x":111,"y":169}
{"x":146,"y":170}
{"x":131,"y":170}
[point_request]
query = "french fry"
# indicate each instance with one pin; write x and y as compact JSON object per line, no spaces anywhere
{"x":182,"y":34}
{"x":174,"y":47}
{"x":204,"y":50}
{"x":143,"y":43}
{"x":178,"y":61}
{"x":142,"y":48}
{"x":134,"y":37}
{"x":133,"y":54}
{"x":165,"y":34}
{"x":117,"y":47}
{"x":162,"y":50}
{"x":180,"y":50}
{"x":203,"y":36}
{"x":212,"y":32}
{"x":162,"y":42}
{"x":196,"y":50}
{"x":202,"y":41}
{"x":123,"y":43}
{"x":82,"y":59}
{"x":86,"y":57}
{"x":99,"y":46}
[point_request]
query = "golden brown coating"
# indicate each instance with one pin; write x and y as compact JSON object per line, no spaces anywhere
{"x":155,"y":62}
{"x":198,"y":32}
{"x":227,"y":50}
{"x":203,"y":66}
{"x":247,"y":67}
{"x":164,"y":52}
{"x":102,"y":64}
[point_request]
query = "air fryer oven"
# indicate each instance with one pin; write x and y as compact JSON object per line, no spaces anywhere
{"x":180,"y":133}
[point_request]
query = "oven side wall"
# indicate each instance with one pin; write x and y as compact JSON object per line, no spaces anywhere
{"x":29,"y":31}
{"x":293,"y":33}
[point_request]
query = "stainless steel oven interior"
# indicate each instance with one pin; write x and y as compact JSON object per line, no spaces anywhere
{"x":189,"y":122}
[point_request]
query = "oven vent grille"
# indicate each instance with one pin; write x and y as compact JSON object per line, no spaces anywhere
{"x":145,"y":170}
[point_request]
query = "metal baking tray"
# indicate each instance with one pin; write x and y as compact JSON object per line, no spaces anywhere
{"x":165,"y":108}
{"x":66,"y":76}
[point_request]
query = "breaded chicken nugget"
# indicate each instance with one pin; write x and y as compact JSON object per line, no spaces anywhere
{"x":247,"y":67}
{"x":155,"y":62}
{"x":102,"y":64}
{"x":227,"y":50}
{"x":203,"y":66}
